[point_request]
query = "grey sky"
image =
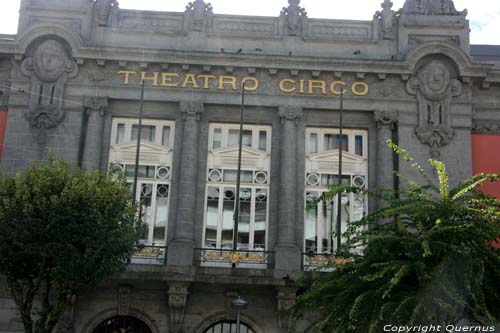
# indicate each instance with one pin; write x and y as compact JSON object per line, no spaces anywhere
{"x":483,"y":14}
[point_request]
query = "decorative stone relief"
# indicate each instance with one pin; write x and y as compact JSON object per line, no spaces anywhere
{"x":431,"y":7}
{"x":293,"y":19}
{"x":103,"y":9}
{"x":198,"y":16}
{"x":293,"y":113}
{"x":49,"y":68}
{"x":192,"y":109}
{"x":285,"y":298}
{"x":177,"y":299}
{"x":486,"y":126}
{"x":434,"y":87}
{"x":387,"y":19}
{"x":124,"y":299}
{"x":385,"y":118}
{"x":94,"y":103}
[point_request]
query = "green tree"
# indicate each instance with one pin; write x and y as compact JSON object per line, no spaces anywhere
{"x":427,"y":259}
{"x":62,"y":231}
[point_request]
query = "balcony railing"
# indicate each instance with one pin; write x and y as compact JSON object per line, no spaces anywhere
{"x":211,"y":257}
{"x":149,"y":255}
{"x":322,"y":261}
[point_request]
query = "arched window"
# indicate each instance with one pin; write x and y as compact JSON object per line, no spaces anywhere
{"x":122,"y":324}
{"x":228,"y":326}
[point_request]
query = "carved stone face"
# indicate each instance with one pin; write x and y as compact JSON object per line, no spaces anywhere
{"x":434,"y":78}
{"x":50,"y":61}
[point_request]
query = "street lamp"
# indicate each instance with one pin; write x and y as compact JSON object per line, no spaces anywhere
{"x":238,"y":304}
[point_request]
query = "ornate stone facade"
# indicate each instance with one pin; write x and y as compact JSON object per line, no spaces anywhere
{"x":49,"y":67}
{"x":435,"y":88}
{"x":73,"y":76}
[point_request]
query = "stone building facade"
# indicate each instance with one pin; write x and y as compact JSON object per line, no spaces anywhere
{"x":70,"y":79}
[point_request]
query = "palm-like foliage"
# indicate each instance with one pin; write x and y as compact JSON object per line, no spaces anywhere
{"x":427,"y":259}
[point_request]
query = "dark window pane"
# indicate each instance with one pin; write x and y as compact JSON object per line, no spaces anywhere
{"x":358,"y":150}
{"x":166,"y":136}
{"x":148,"y":132}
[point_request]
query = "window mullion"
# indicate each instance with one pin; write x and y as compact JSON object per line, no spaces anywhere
{"x":152,"y":218}
{"x":220,"y":216}
{"x":251,"y":227}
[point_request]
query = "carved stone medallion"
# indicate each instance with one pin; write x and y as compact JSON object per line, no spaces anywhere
{"x":434,"y":87}
{"x":49,"y":67}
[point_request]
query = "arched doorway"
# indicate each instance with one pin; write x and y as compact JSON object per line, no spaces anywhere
{"x":228,"y":326}
{"x":123,"y":324}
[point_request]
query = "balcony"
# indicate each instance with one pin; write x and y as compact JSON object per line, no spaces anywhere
{"x":149,"y":255}
{"x":324,"y":262}
{"x":255,"y":259}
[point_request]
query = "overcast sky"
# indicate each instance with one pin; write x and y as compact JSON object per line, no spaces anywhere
{"x":483,"y":14}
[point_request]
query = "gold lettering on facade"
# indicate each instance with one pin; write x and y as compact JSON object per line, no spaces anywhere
{"x":284,"y":89}
{"x":253,"y":86}
{"x":227,"y":80}
{"x":301,"y":87}
{"x":316,"y":84}
{"x":166,"y":79}
{"x":127,"y":76}
{"x":190,"y":80}
{"x":153,"y":79}
{"x":360,"y":88}
{"x":206,"y":79}
{"x":335,"y":84}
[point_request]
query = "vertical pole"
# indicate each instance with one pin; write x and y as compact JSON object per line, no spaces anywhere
{"x":138,"y":147}
{"x":339,"y":195}
{"x":238,"y":320}
{"x":236,"y":215}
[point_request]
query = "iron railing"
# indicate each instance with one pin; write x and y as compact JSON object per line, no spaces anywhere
{"x":212,"y":257}
{"x":322,"y":261}
{"x":148,"y":255}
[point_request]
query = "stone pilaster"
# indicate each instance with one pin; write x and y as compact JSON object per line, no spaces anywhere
{"x":180,"y":251}
{"x":95,"y":109}
{"x":385,"y":121}
{"x":288,"y":257}
{"x":177,"y":300}
{"x":285,"y":299}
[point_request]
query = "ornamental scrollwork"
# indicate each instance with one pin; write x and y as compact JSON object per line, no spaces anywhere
{"x":385,"y":118}
{"x":198,"y":16}
{"x":291,"y":113}
{"x":431,"y":7}
{"x":293,"y":19}
{"x":103,"y":9}
{"x":387,"y":18}
{"x":192,"y":109}
{"x":49,"y":67}
{"x":177,"y":300}
{"x":435,"y":88}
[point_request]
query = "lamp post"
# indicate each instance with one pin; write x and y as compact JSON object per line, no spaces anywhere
{"x":238,"y":304}
{"x":339,"y":195}
{"x":236,"y":215}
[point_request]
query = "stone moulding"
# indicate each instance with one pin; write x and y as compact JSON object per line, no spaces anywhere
{"x":434,"y":87}
{"x":49,"y":68}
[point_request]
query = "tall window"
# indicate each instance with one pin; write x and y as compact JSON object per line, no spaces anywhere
{"x":154,"y":171}
{"x":322,"y":158}
{"x":221,"y":187}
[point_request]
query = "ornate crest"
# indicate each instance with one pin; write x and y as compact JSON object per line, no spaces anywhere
{"x":434,"y":88}
{"x":177,"y":299}
{"x":387,"y":19}
{"x":431,"y":7}
{"x":198,"y":16}
{"x":49,"y":69}
{"x":293,"y":19}
{"x":103,"y":9}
